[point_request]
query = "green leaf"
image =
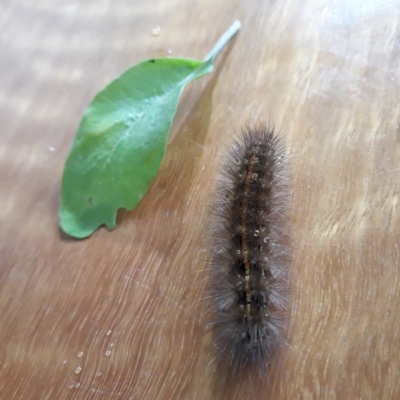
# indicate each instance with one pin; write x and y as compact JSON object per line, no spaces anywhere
{"x":121,"y":139}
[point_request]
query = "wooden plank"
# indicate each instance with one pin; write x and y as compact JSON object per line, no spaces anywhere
{"x":120,"y":315}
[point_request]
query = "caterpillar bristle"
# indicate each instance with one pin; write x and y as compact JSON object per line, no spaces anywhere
{"x":249,"y":256}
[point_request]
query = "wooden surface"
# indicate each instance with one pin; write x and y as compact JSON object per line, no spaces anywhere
{"x":119,"y":316}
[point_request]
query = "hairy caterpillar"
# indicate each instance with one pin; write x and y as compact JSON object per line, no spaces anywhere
{"x":249,"y":274}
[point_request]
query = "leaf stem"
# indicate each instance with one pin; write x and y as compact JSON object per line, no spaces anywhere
{"x":222,"y":41}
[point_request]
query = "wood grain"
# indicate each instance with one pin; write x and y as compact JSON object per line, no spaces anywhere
{"x":119,"y":316}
